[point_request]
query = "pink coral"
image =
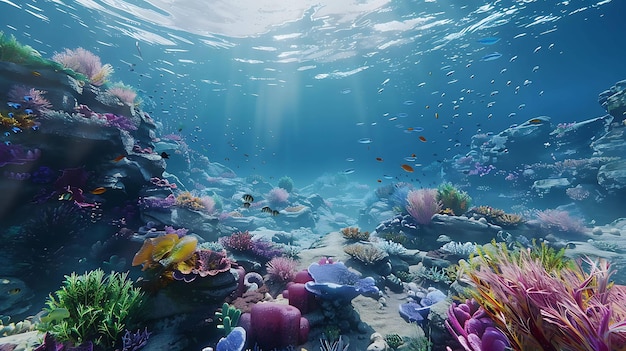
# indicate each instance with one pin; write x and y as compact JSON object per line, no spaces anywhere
{"x":211,"y":263}
{"x":281,"y":269}
{"x":560,"y":220}
{"x":240,"y":241}
{"x":277,"y":197}
{"x":422,"y":204}
{"x":85,"y":62}
{"x":124,"y":93}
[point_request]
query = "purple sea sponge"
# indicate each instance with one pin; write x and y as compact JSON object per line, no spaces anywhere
{"x":473,"y":329}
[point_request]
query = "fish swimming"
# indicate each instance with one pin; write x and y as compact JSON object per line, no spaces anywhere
{"x":491,"y":57}
{"x":248,"y":198}
{"x":488,"y":40}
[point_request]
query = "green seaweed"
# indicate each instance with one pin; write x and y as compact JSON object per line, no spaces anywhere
{"x":99,"y":308}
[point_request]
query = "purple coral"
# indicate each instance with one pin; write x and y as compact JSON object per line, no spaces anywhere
{"x":135,"y":341}
{"x":240,"y":241}
{"x":473,"y":329}
{"x":119,"y":122}
{"x":277,"y":197}
{"x":422,"y":205}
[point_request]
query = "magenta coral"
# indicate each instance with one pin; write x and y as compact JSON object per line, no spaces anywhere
{"x":281,"y":269}
{"x":422,"y":204}
{"x":473,"y":329}
{"x":560,"y":220}
{"x":240,"y":241}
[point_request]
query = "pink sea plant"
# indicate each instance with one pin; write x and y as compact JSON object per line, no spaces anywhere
{"x":560,"y":220}
{"x":538,"y":307}
{"x":422,"y":205}
{"x":85,"y":62}
{"x":123,"y":92}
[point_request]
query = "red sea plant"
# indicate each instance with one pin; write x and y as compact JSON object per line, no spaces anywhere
{"x":548,"y":307}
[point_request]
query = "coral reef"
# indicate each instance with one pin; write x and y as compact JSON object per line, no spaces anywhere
{"x":422,"y":205}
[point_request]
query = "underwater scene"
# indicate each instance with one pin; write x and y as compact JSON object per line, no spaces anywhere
{"x":331,"y":175}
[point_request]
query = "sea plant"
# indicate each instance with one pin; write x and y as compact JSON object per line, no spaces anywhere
{"x":365,"y":253}
{"x":86,"y":63}
{"x":545,"y":304}
{"x":228,"y":317}
{"x":337,"y":345}
{"x":422,"y":205}
{"x":452,"y":199}
{"x":100,"y":307}
{"x":394,"y":340}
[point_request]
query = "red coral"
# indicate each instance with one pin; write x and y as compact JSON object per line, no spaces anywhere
{"x":211,"y":263}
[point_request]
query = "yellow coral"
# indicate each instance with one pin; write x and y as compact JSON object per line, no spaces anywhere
{"x":187,"y":200}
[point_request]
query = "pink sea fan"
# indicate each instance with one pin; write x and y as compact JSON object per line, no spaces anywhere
{"x":422,"y":204}
{"x":560,"y":220}
{"x":277,"y":197}
{"x":126,"y":94}
{"x":85,"y":62}
{"x":209,"y":204}
{"x":281,"y":269}
{"x":30,"y":98}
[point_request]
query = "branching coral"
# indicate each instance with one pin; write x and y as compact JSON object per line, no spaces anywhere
{"x":543,"y":305}
{"x":353,"y":233}
{"x":497,"y":216}
{"x":366,"y":254}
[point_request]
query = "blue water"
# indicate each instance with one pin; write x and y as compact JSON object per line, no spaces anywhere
{"x":249,"y":86}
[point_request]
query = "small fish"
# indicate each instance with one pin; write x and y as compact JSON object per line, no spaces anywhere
{"x":165,"y":155}
{"x":488,"y":40}
{"x":535,"y":121}
{"x":98,"y":190}
{"x":16,"y":130}
{"x":427,"y":106}
{"x":14,"y":105}
{"x":379,"y":159}
{"x":28,"y":98}
{"x":436,"y":115}
{"x":422,"y":138}
{"x":275,"y":213}
{"x":246,"y":205}
{"x":28,"y":111}
{"x":348,"y":171}
{"x":119,"y":158}
{"x":248,"y":198}
{"x":387,"y":176}
{"x":365,"y":141}
{"x":379,"y":181}
{"x":14,"y":291}
{"x":57,"y":314}
{"x":491,"y":57}
{"x":407,"y":168}
{"x":266,"y":209}
{"x":11,"y":115}
{"x":409,"y":129}
{"x":36,"y":74}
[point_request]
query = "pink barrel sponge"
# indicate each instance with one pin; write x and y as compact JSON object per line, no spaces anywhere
{"x":274,"y":326}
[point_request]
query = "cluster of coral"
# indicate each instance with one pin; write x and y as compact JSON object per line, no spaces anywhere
{"x":233,"y":263}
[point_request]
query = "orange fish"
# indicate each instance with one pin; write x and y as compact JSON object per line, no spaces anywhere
{"x":119,"y":158}
{"x":379,"y":159}
{"x":407,"y":168}
{"x":413,"y":155}
{"x":535,"y":121}
{"x":378,"y":180}
{"x":410,"y":129}
{"x":422,"y":138}
{"x":98,"y":191}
